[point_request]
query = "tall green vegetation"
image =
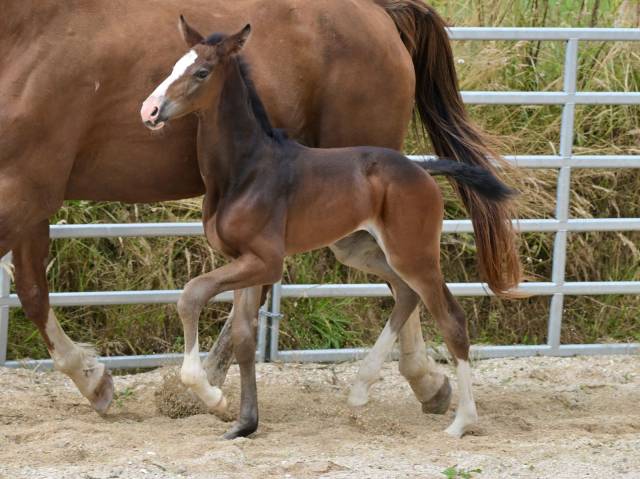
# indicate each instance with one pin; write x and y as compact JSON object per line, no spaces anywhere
{"x":166,"y":263}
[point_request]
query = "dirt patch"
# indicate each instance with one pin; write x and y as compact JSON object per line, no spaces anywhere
{"x":540,"y":417}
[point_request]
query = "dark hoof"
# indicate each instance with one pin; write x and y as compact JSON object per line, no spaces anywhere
{"x":240,"y":430}
{"x":439,"y":404}
{"x":103,"y":394}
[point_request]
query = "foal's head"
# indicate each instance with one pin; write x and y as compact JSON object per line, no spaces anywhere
{"x":195,"y":81}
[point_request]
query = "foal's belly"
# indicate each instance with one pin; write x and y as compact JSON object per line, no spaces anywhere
{"x":324,"y":219}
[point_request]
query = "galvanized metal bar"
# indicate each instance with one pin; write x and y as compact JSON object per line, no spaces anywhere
{"x":549,"y":98}
{"x":261,"y":345}
{"x":552,"y":225}
{"x":274,"y":331}
{"x":124,"y":230}
{"x":533,"y":33}
{"x":450,"y":226}
{"x":107,"y":298}
{"x":563,"y":193}
{"x":556,"y":161}
{"x":462,"y":289}
{"x":477,"y":352}
{"x":336,"y":291}
{"x":5,"y":287}
{"x":337,"y":355}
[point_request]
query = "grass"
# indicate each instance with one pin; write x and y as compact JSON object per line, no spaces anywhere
{"x":167,"y":263}
{"x":454,"y":472}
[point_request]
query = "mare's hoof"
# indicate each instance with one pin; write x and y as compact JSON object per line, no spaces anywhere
{"x":439,"y":404}
{"x":241,"y":430}
{"x":103,"y":393}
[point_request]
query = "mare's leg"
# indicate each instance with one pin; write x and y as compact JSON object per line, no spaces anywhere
{"x":76,"y":361}
{"x":245,"y":271}
{"x":430,"y":385}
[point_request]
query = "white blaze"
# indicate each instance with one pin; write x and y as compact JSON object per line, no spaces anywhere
{"x":178,"y":70}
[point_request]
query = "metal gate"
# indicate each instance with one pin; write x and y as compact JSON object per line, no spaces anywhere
{"x":561,"y":225}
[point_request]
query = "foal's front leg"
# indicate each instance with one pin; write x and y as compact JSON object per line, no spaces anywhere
{"x":245,"y":271}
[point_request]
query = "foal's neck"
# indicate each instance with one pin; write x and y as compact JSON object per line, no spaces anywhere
{"x":230,"y":137}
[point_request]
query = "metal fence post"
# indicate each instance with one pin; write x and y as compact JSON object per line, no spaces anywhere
{"x":276,"y":298}
{"x":563,"y":193}
{"x":5,"y":282}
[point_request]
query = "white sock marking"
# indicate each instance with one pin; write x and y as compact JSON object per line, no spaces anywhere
{"x":370,"y":368}
{"x":194,"y":377}
{"x":466,"y":414}
{"x":76,"y":361}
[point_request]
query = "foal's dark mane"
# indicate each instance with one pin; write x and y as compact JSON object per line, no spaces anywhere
{"x":255,"y":103}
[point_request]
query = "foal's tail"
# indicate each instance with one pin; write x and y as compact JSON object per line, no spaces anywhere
{"x":479,"y":180}
{"x":454,"y":136}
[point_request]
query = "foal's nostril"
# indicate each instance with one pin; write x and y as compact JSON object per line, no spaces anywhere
{"x":154,"y":112}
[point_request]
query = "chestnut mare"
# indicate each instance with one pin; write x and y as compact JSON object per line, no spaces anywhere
{"x":71,"y":78}
{"x":267,"y":197}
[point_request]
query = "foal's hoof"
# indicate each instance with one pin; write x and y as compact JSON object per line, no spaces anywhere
{"x":241,"y":430}
{"x":358,"y":395}
{"x":439,"y":404}
{"x":103,"y":393}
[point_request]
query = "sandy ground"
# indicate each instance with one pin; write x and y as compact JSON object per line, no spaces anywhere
{"x":540,"y":417}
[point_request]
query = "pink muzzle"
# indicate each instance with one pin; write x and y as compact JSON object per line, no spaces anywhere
{"x":150,"y":112}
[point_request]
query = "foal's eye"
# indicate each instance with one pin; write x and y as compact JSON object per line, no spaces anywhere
{"x":201,"y":74}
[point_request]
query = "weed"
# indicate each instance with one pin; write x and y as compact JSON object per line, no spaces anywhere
{"x":454,"y":472}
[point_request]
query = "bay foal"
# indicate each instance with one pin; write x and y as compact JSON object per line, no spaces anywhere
{"x":268,"y":197}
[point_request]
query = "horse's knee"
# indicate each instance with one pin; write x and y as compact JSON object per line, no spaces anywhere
{"x":271,"y":271}
{"x":192,"y":299}
{"x":33,"y":298}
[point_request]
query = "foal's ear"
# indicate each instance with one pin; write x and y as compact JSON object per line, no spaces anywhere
{"x":234,"y":43}
{"x":189,"y":34}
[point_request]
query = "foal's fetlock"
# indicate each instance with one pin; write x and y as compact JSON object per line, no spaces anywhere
{"x":441,"y":400}
{"x":212,"y":396}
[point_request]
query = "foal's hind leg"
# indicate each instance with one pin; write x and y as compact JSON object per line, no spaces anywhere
{"x":78,"y":362}
{"x":425,"y":277}
{"x":453,"y":324}
{"x":430,"y":385}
